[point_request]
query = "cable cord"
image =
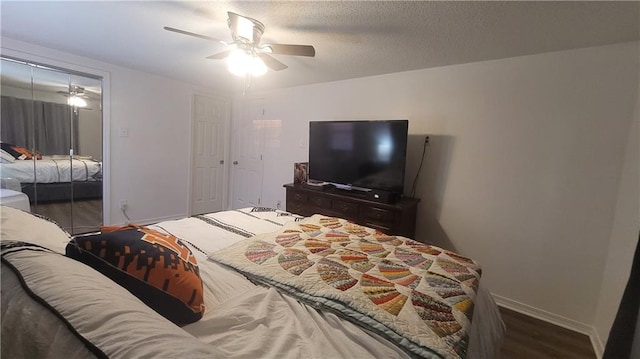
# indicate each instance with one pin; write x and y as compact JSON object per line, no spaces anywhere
{"x":415,"y":180}
{"x":124,"y":212}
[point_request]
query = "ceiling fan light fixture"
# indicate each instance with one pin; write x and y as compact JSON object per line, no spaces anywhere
{"x":76,"y":101}
{"x":245,"y":29}
{"x":240,"y":63}
{"x":258,"y":68}
{"x":250,"y":58}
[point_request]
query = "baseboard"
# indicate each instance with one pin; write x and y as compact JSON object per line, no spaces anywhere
{"x":155,"y":220}
{"x":598,"y":346}
{"x":554,"y":319}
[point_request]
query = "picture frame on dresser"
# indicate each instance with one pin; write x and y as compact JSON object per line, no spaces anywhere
{"x":300,"y":172}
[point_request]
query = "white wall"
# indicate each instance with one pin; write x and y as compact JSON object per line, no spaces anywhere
{"x":150,"y":167}
{"x":90,"y":130}
{"x":524,"y":167}
{"x":624,"y":235}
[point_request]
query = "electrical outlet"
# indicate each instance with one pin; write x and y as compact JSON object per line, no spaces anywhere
{"x":123,"y":132}
{"x":426,"y":140}
{"x":278,"y":204}
{"x":123,"y":205}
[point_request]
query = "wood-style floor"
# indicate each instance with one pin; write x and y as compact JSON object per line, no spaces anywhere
{"x":87,"y":214}
{"x":530,"y":338}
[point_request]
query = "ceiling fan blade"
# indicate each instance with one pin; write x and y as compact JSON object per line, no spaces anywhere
{"x":219,"y":55}
{"x":271,"y":62}
{"x":286,"y":49}
{"x":194,"y":34}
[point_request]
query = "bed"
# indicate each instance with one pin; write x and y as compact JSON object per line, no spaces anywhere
{"x":51,"y":175}
{"x":243,"y":318}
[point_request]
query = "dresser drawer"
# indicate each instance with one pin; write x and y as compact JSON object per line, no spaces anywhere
{"x":321,"y":202}
{"x":349,"y":209}
{"x":298,"y":208}
{"x":397,"y":218}
{"x":378,"y":214}
{"x":299,"y":197}
{"x":383,"y":229}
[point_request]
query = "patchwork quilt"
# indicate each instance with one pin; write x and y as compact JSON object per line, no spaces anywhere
{"x":417,"y":295}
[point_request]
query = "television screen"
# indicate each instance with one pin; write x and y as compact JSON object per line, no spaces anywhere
{"x":360,"y":155}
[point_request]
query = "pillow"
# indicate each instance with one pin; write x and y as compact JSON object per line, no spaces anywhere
{"x":157,"y":268}
{"x":18,"y":225}
{"x":10,"y":150}
{"x":66,"y":299}
{"x":19,"y":153}
{"x":6,"y":157}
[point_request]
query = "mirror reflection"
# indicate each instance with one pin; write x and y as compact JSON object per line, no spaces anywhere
{"x":51,"y":133}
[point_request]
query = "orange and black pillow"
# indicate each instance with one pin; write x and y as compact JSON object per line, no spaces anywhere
{"x":157,"y":268}
{"x":19,"y":152}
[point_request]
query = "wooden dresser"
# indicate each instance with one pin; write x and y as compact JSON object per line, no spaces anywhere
{"x":398,"y":218}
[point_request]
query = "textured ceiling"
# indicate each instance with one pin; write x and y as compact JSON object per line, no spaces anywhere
{"x":352,"y":39}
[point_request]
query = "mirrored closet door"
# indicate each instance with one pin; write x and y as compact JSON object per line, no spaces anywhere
{"x":51,"y":132}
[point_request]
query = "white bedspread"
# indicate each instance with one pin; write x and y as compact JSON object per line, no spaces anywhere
{"x":241,"y":320}
{"x":51,"y":170}
{"x":235,"y":305}
{"x":237,"y":309}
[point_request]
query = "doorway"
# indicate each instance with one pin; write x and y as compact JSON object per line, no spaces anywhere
{"x":210,"y":123}
{"x":247,"y":165}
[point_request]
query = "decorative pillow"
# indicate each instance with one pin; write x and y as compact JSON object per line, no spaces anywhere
{"x":6,"y":157}
{"x":10,"y":150}
{"x":156,"y":267}
{"x":19,"y":152}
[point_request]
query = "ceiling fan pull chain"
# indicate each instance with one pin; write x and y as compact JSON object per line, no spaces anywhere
{"x":247,"y":83}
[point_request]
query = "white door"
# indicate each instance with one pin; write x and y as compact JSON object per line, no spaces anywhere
{"x":247,"y":165}
{"x":209,"y":139}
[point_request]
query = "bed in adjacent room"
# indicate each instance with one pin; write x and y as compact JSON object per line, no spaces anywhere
{"x":273,"y":285}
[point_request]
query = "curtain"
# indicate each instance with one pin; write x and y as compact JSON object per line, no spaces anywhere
{"x":16,"y":126}
{"x":49,"y":128}
{"x":620,"y":344}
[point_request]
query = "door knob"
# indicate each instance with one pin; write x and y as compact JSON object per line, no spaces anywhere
{"x":221,"y":162}
{"x":235,"y":162}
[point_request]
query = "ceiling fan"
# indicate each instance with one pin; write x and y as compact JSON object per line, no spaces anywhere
{"x":246,"y":33}
{"x":76,"y":96}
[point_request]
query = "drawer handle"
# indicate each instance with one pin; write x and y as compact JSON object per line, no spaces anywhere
{"x":377,"y":226}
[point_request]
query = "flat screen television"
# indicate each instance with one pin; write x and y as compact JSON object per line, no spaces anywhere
{"x":359,"y":155}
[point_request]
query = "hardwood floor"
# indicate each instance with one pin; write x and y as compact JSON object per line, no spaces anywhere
{"x":530,"y":338}
{"x":87,"y":214}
